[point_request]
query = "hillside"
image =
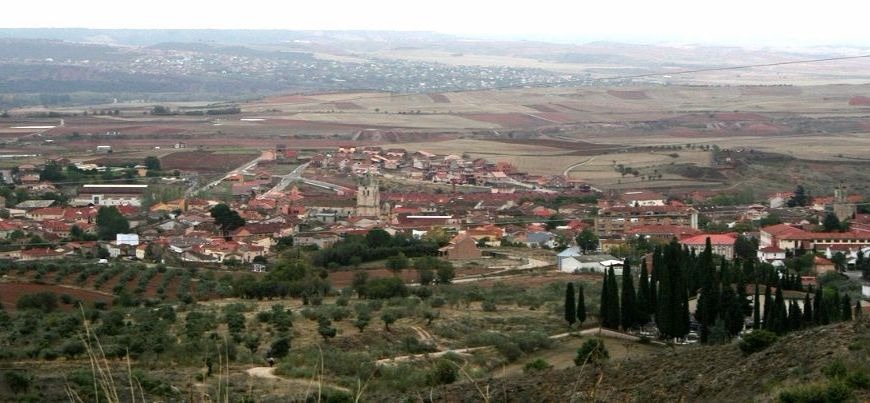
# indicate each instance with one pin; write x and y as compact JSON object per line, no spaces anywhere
{"x":703,"y":373}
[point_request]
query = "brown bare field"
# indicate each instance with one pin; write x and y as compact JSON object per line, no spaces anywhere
{"x":203,"y":161}
{"x":632,"y":95}
{"x":439,"y":98}
{"x":10,"y":292}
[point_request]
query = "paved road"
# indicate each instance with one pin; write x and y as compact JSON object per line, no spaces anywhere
{"x":242,"y":169}
{"x":286,"y":180}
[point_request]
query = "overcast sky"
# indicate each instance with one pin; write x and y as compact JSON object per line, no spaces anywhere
{"x":738,"y":22}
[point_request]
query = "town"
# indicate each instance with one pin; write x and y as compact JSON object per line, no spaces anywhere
{"x":343,"y":216}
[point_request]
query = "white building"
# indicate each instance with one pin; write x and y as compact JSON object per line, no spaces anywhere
{"x":110,"y":195}
{"x":590,"y":264}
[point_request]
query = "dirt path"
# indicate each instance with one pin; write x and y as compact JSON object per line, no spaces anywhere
{"x":586,"y":332}
{"x":312,"y":384}
{"x":581,"y":163}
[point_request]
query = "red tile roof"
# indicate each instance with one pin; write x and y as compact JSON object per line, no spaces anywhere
{"x":715,"y":239}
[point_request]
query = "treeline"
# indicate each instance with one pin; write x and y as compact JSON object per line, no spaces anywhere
{"x":377,"y":244}
{"x":161,"y":110}
{"x":662,"y":297}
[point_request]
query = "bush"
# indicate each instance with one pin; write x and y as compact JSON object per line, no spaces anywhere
{"x":592,"y":351}
{"x":489,"y":306}
{"x":510,"y":350}
{"x":445,"y":372}
{"x":17,"y":381}
{"x":756,"y":341}
{"x":833,"y":392}
{"x":537,"y":365}
{"x":280,"y":347}
{"x":43,"y":301}
{"x":385,"y":288}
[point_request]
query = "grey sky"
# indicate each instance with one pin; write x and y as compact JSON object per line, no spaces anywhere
{"x":741,"y":22}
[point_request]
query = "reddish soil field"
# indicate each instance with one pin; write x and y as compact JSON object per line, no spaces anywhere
{"x":770,"y":91}
{"x":860,"y":101}
{"x":203,"y":161}
{"x":560,"y":117}
{"x":546,"y":278}
{"x":541,"y":108}
{"x":570,"y":108}
{"x":10,"y":292}
{"x":343,"y":105}
{"x":506,"y":119}
{"x":161,"y":129}
{"x":566,"y":145}
{"x":631,"y":95}
{"x":439,"y":98}
{"x":289,"y":99}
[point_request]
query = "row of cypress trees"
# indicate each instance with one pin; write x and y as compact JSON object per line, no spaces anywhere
{"x":723,"y":303}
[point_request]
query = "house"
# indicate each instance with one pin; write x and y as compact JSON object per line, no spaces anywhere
{"x":42,"y":254}
{"x":564,"y":260}
{"x":822,"y":265}
{"x":461,"y":246}
{"x":721,"y":244}
{"x":661,"y":232}
{"x":779,"y":235}
{"x":591,"y":264}
{"x":614,"y":221}
{"x":321,"y":240}
{"x":643,"y":198}
{"x":110,"y":195}
{"x":771,"y":253}
{"x":34,"y":204}
{"x":42,"y":214}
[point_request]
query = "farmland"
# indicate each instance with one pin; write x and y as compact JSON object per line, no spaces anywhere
{"x":543,"y":131}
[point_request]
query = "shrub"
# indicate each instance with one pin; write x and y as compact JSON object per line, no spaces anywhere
{"x":437,"y":302}
{"x":756,"y":341}
{"x":592,"y":351}
{"x":510,"y":350}
{"x":489,"y":306}
{"x":280,"y":347}
{"x":833,"y":392}
{"x":43,"y":301}
{"x":443,"y":373}
{"x":17,"y":381}
{"x":537,"y":365}
{"x":387,"y":287}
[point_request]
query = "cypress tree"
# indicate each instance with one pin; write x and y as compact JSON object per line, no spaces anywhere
{"x":756,"y":310}
{"x":847,"y":308}
{"x":681,"y":298}
{"x":819,"y":311}
{"x":732,"y":312}
{"x":613,"y":310}
{"x":834,"y":308}
{"x":654,"y":281}
{"x":743,"y":298}
{"x":858,"y":311}
{"x":605,"y":300}
{"x":643,"y":306}
{"x":768,"y":309}
{"x":570,"y":307}
{"x":673,"y":298}
{"x":794,"y":316}
{"x":808,"y":311}
{"x":780,"y":313}
{"x":664,"y":308}
{"x":581,"y":306}
{"x":628,"y":312}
